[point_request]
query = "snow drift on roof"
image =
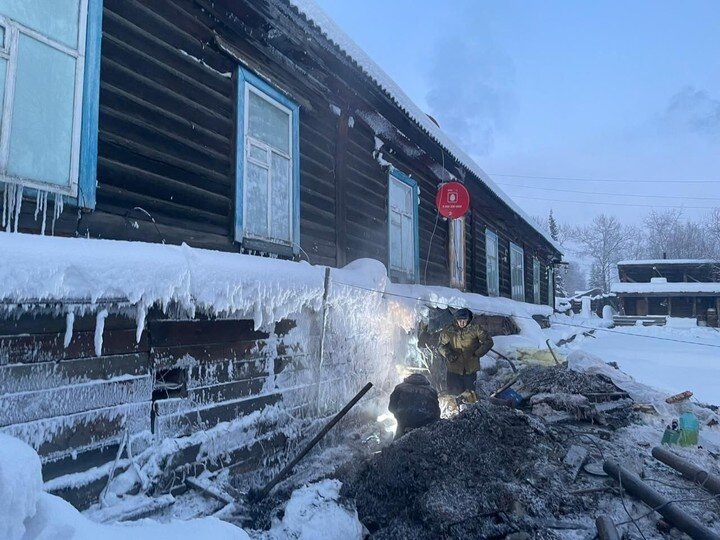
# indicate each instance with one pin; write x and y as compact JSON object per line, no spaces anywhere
{"x":316,"y":16}
{"x":667,"y":261}
{"x":669,"y":288}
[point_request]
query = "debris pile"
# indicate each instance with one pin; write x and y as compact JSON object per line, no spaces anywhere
{"x":488,"y":472}
{"x":559,"y":394}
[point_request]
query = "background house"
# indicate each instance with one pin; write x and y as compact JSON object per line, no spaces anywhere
{"x":672,"y":287}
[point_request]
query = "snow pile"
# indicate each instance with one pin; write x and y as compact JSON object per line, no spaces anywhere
{"x":82,"y":270}
{"x":315,"y":512}
{"x":20,"y":486}
{"x":28,"y":513}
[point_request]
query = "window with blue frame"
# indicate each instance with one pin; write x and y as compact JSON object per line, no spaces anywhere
{"x":517,"y":272}
{"x":492,"y":263}
{"x":267,"y":204}
{"x":49,"y":93}
{"x":403,"y":233}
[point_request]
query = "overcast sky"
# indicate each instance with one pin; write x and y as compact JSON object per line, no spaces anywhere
{"x":613,"y":90}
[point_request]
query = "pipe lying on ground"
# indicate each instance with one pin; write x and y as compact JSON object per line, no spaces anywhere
{"x":673,"y":513}
{"x":708,"y":481}
{"x":606,"y":528}
{"x":255,"y":495}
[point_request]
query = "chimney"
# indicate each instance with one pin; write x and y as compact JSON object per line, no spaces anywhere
{"x":664,"y":255}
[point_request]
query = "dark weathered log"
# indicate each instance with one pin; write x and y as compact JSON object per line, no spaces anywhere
{"x":606,"y":528}
{"x":708,"y":481}
{"x":671,"y":511}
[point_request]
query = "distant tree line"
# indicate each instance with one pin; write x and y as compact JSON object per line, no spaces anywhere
{"x":606,"y":241}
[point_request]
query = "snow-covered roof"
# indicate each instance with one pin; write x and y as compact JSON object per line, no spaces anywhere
{"x":669,"y":288}
{"x":316,"y":16}
{"x":648,"y":262}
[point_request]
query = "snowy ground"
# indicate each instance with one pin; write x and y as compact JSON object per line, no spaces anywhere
{"x":669,"y":359}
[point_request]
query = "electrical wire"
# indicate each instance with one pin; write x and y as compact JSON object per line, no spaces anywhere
{"x":613,"y":180}
{"x":611,"y":194}
{"x":486,"y":312}
{"x":613,"y":203}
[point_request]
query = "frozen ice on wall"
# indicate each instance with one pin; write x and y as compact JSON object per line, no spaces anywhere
{"x":20,"y":486}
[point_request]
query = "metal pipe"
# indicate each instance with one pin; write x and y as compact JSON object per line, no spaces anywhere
{"x":606,"y":528}
{"x":255,"y":495}
{"x":547,"y":341}
{"x":673,"y":513}
{"x":512,"y":364}
{"x":708,"y":481}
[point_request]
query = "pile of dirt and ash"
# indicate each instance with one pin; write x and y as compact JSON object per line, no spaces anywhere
{"x":488,"y":472}
{"x":559,"y":394}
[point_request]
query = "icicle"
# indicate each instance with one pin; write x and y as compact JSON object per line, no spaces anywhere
{"x":38,"y":197}
{"x":99,"y":328}
{"x":58,"y":208}
{"x":18,"y":205}
{"x":69,"y":322}
{"x":44,"y":213}
{"x":8,"y":205}
{"x":5,"y":194}
{"x":140,"y":318}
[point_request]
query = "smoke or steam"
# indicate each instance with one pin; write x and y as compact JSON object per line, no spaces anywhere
{"x":693,"y":111}
{"x":471,"y":92}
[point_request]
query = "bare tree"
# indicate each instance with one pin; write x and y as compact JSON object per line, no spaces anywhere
{"x":605,"y":242}
{"x":670,"y":233}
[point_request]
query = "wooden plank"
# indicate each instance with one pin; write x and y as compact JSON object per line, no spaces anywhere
{"x":122,"y":77}
{"x":49,"y":347}
{"x":16,"y":378}
{"x":186,"y":423}
{"x":102,"y":224}
{"x":35,"y":405}
{"x":119,"y":99}
{"x":57,"y":437}
{"x":38,"y":322}
{"x":167,"y":333}
{"x":198,"y":398}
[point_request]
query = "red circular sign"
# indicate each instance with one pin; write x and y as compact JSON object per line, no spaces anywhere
{"x":452,"y":200}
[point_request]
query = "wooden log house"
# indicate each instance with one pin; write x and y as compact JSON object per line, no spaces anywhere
{"x":246,"y":126}
{"x":683,"y":288}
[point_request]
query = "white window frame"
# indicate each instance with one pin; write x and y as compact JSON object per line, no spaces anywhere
{"x":536,"y":280}
{"x":551,"y":286}
{"x":517,"y":290}
{"x":492,"y":264}
{"x":13,"y":29}
{"x":408,"y":184}
{"x":269,"y":151}
{"x":250,"y":82}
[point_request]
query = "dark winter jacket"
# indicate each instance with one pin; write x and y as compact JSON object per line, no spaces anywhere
{"x":463,"y":347}
{"x":414,"y":403}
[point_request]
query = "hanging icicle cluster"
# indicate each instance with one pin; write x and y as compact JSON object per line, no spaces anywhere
{"x":12,"y":204}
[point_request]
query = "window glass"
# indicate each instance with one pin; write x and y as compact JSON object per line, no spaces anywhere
{"x":2,"y":37}
{"x":256,"y":200}
{"x":42,"y":113}
{"x":3,"y":72}
{"x":280,"y":200}
{"x":402,"y":227}
{"x":57,"y":19}
{"x":268,"y":123}
{"x":536,"y":281}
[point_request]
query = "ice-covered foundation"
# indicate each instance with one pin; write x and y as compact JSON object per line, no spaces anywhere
{"x":163,"y":362}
